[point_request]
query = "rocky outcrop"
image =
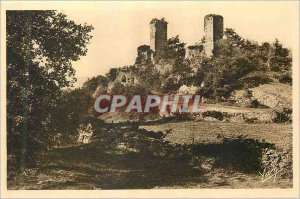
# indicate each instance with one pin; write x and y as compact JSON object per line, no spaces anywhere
{"x":275,"y":95}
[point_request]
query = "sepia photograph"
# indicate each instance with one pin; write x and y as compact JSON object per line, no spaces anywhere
{"x":163,"y":96}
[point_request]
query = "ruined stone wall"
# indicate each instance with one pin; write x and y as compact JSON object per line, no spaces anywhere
{"x":126,"y":76}
{"x":194,"y":51}
{"x":164,"y":66}
{"x":213,"y":30}
{"x":195,"y":54}
{"x":158,"y":36}
{"x":144,"y":55}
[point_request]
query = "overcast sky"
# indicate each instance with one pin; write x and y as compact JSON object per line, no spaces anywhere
{"x":121,"y":27}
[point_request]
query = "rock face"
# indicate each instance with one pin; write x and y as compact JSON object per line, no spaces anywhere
{"x":276,"y":95}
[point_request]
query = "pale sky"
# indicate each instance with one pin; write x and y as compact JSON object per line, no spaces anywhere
{"x":120,"y":27}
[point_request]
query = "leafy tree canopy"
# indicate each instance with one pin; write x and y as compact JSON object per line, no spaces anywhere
{"x":41,"y":46}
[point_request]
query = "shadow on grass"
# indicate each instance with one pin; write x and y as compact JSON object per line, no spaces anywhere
{"x":122,"y":171}
{"x":239,"y":153}
{"x":96,"y":166}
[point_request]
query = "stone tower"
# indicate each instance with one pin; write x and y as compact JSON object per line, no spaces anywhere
{"x":213,"y":30}
{"x":158,"y":36}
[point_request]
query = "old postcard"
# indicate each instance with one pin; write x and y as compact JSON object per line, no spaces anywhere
{"x":149,"y":99}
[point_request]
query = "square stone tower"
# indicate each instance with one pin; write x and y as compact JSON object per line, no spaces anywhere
{"x":158,"y":36}
{"x":213,"y":30}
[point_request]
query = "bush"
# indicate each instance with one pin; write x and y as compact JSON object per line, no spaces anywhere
{"x":276,"y":163}
{"x":215,"y":114}
{"x":255,"y":104}
{"x":285,"y":79}
{"x":251,"y":120}
{"x":284,"y":116}
{"x":238,"y":153}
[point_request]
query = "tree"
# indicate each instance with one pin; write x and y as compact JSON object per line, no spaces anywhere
{"x":280,"y":61}
{"x":266,"y":53}
{"x":233,"y":38}
{"x":112,"y":74}
{"x":233,"y":58}
{"x":274,"y":57}
{"x":41,"y":46}
{"x":175,"y":48}
{"x":93,"y":83}
{"x":150,"y":78}
{"x":74,"y":107}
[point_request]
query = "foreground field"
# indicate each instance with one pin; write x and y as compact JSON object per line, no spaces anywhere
{"x":99,"y":165}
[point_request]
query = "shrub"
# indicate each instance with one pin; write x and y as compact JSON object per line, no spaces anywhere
{"x":255,"y":104}
{"x":251,"y":120}
{"x":215,"y":114}
{"x":238,"y":153}
{"x":285,"y":78}
{"x":276,"y":163}
{"x":284,"y":116}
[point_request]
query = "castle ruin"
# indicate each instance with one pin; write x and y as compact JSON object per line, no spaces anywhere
{"x":144,"y":55}
{"x":213,"y":30}
{"x":158,"y":36}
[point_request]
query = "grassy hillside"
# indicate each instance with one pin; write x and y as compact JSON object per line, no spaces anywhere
{"x":207,"y":132}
